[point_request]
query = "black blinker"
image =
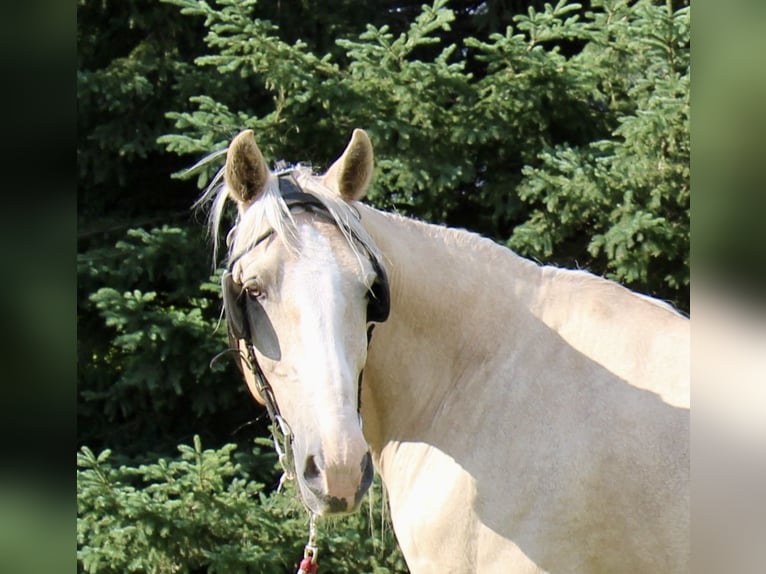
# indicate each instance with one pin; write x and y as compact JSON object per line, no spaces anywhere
{"x":379,"y":303}
{"x":232,"y":306}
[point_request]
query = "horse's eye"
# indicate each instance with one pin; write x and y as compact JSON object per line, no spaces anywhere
{"x":253,"y":289}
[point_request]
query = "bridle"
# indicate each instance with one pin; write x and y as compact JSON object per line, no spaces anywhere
{"x":238,"y":306}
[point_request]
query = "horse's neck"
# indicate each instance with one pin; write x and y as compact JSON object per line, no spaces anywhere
{"x":447,"y":288}
{"x":464,"y":308}
{"x":492,"y":375}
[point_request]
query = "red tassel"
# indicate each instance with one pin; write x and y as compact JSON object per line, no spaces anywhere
{"x":308,"y":565}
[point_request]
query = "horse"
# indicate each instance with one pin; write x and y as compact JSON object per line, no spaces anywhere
{"x":523,"y":418}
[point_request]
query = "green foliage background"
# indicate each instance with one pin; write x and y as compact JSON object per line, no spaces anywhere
{"x":559,"y":130}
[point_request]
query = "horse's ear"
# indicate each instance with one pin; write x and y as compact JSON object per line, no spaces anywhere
{"x":246,"y":172}
{"x":351,"y":173}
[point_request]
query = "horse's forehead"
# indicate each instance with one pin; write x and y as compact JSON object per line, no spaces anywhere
{"x":325,"y":249}
{"x":320,"y":247}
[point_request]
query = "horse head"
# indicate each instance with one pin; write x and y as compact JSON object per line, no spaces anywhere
{"x":303,"y":285}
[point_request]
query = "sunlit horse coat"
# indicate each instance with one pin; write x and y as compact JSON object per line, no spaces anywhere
{"x":523,"y":418}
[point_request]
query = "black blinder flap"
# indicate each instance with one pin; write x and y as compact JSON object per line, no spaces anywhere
{"x":247,"y":319}
{"x":379,"y":303}
{"x":233,"y":306}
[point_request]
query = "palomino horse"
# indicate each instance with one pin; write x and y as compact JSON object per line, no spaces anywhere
{"x":523,"y":418}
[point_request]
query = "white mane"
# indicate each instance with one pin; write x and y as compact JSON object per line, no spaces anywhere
{"x":269,"y":212}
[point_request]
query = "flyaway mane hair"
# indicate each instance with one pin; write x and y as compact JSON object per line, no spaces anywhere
{"x":269,"y":212}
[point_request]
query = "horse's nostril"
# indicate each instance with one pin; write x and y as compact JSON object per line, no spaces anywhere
{"x":310,"y":470}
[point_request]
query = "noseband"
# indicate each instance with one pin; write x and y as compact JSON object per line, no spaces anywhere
{"x":237,"y":304}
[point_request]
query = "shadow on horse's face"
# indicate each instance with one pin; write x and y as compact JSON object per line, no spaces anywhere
{"x":307,"y":313}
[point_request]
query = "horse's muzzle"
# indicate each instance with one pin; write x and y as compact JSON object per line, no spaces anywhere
{"x":334,"y":489}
